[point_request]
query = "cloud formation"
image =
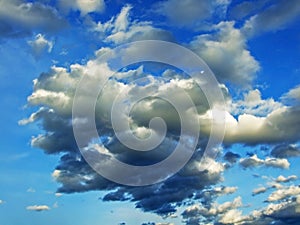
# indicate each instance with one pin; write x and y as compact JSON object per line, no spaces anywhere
{"x":191,"y":13}
{"x":277,"y":16}
{"x":40,"y":45}
{"x":38,"y":208}
{"x":83,"y":6}
{"x":19,"y":18}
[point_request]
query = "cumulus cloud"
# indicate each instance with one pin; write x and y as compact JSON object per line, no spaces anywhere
{"x":253,"y":104}
{"x":246,"y":9}
{"x":226,"y":53}
{"x":254,"y":161}
{"x":284,"y":193}
{"x":1,"y":202}
{"x":259,"y":190}
{"x":38,"y":208}
{"x":40,"y":45}
{"x":196,"y":214}
{"x":19,"y":18}
{"x":277,"y":16}
{"x":121,"y":29}
{"x":282,"y":179}
{"x":84,"y":6}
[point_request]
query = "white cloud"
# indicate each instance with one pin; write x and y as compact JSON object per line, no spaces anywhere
{"x":292,"y":95}
{"x":40,"y":45}
{"x":282,"y":179}
{"x":259,"y":190}
{"x":283,"y":193}
{"x":254,"y":161}
{"x":253,"y":104}
{"x":31,"y":190}
{"x":84,"y":6}
{"x":1,"y":202}
{"x":38,"y":208}
{"x":232,"y":216}
{"x":225,"y":51}
{"x":121,"y":29}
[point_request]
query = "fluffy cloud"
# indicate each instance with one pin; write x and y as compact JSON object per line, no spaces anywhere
{"x":226,"y":54}
{"x":191,"y":12}
{"x":282,"y":179}
{"x":1,"y":201}
{"x":38,"y":208}
{"x":73,"y":172}
{"x":121,"y":29}
{"x":284,"y":193}
{"x":84,"y":6}
{"x":277,"y":16}
{"x":293,"y":94}
{"x":18,"y":18}
{"x":196,"y":214}
{"x":254,"y":161}
{"x":40,"y":45}
{"x":259,"y":190}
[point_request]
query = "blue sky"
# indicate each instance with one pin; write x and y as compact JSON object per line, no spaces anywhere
{"x":253,"y":50}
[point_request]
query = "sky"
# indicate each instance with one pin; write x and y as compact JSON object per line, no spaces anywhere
{"x":79,"y":95}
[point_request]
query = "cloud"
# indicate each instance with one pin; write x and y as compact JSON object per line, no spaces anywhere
{"x":55,"y":99}
{"x":191,"y":13}
{"x":18,"y":18}
{"x":38,"y":208}
{"x":284,"y":193}
{"x":285,"y":151}
{"x":277,"y":16}
{"x":292,"y":95}
{"x":226,"y":53}
{"x":1,"y":202}
{"x":121,"y":29}
{"x":30,"y":190}
{"x":40,"y":45}
{"x":254,"y":161}
{"x":253,"y":104}
{"x":231,"y":157}
{"x":259,"y":190}
{"x":196,"y":214}
{"x":84,"y":6}
{"x":282,"y":179}
{"x":246,"y":9}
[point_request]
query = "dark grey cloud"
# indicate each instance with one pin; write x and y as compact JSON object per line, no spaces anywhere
{"x":21,"y":18}
{"x":285,"y":151}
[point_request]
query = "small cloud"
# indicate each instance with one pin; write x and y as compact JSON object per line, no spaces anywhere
{"x":58,"y":194}
{"x":40,"y":45}
{"x":30,"y":190}
{"x":259,"y":190}
{"x":38,"y":208}
{"x":282,"y":179}
{"x":55,"y":205}
{"x":1,"y":202}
